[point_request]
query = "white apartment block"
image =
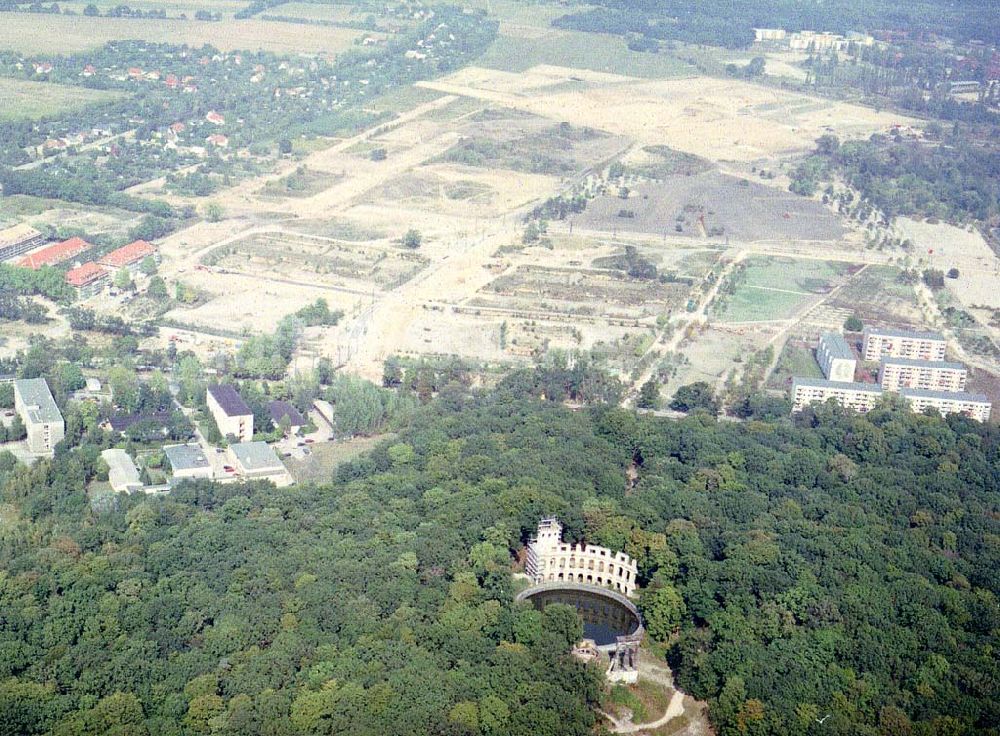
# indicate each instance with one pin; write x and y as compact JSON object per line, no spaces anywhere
{"x":836,"y":358}
{"x":34,"y":404}
{"x":860,"y":397}
{"x":927,"y":375}
{"x":231,"y":414}
{"x":881,"y":343}
{"x":974,"y":406}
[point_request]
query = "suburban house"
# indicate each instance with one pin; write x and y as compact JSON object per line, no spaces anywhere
{"x":130,"y":257}
{"x":18,"y":240}
{"x":55,"y":254}
{"x":88,"y":279}
{"x":231,"y":413}
{"x":34,"y":404}
{"x":279,"y":411}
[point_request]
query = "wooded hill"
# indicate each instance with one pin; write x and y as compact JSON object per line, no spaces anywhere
{"x":840,"y":565}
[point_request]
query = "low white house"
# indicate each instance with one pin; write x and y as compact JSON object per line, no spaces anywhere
{"x":122,"y":473}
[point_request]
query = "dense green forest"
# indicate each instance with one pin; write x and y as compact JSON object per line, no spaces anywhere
{"x":837,"y":564}
{"x":730,"y":23}
{"x":954,"y":179}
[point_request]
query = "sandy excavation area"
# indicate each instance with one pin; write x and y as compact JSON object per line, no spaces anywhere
{"x":719,"y":119}
{"x":945,"y":246}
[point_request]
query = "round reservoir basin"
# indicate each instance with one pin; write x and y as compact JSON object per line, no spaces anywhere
{"x":606,"y":614}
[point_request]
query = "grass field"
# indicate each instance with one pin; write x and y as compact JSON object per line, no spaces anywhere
{"x":317,"y":11}
{"x":20,"y":98}
{"x":514,"y":52}
{"x":776,"y":288}
{"x":796,"y":359}
{"x":51,"y":34}
{"x":173,"y":8}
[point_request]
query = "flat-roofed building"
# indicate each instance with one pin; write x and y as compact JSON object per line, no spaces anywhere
{"x":88,"y":279}
{"x":130,"y":257}
{"x":17,"y":240}
{"x":258,"y":460}
{"x":860,"y":397}
{"x":836,"y":358}
{"x":929,"y":375}
{"x":974,"y":406}
{"x":231,"y":413}
{"x":122,"y":473}
{"x":880,"y":343}
{"x":55,"y":254}
{"x":188,"y":461}
{"x":34,"y":404}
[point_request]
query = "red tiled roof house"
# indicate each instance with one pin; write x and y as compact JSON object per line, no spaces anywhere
{"x":130,"y":256}
{"x":88,"y":279}
{"x":55,"y":254}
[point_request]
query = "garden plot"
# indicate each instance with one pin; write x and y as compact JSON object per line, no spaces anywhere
{"x":349,"y":267}
{"x":879,"y":295}
{"x":533,"y":146}
{"x":712,"y":204}
{"x":462,"y":191}
{"x":583,"y":292}
{"x":769,"y":288}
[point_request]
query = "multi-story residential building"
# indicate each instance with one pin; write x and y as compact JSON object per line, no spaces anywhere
{"x":929,"y":375}
{"x":130,"y":257}
{"x":55,"y":254}
{"x":18,"y":240}
{"x":88,"y":280}
{"x":836,"y":358}
{"x":880,"y":343}
{"x":232,"y":415}
{"x":975,"y":406}
{"x":860,"y":397}
{"x":34,"y":404}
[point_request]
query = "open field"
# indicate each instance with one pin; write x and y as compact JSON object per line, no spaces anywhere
{"x":712,"y":204}
{"x":797,"y":358}
{"x":172,"y":7}
{"x":518,"y":49}
{"x":718,"y":119}
{"x":50,"y":34}
{"x":20,"y":98}
{"x":319,"y":11}
{"x":777,"y":288}
{"x":879,"y":296}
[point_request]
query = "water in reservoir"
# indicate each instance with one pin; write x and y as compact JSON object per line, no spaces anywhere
{"x":604,"y":618}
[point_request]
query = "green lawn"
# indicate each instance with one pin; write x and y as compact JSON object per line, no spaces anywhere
{"x":793,"y":274}
{"x":751,"y":304}
{"x":20,"y":98}
{"x":593,"y":51}
{"x":795,"y":360}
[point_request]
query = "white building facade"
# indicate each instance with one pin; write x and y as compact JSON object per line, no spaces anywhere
{"x":44,"y":422}
{"x":552,"y":560}
{"x":881,"y":343}
{"x":896,"y":374}
{"x":860,"y":397}
{"x":836,"y":358}
{"x":974,"y":406}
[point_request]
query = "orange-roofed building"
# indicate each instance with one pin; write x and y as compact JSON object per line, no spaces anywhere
{"x":55,"y":254}
{"x":87,"y":279}
{"x":130,"y":256}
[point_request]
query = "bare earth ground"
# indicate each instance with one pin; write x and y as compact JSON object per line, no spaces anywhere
{"x":475,"y":281}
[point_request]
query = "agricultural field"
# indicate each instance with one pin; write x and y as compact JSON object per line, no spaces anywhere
{"x":338,"y":266}
{"x":770,"y":288}
{"x":879,"y":295}
{"x":714,"y":205}
{"x":49,"y":34}
{"x":21,"y":98}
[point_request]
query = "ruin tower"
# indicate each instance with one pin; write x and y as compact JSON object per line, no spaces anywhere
{"x":547,"y":538}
